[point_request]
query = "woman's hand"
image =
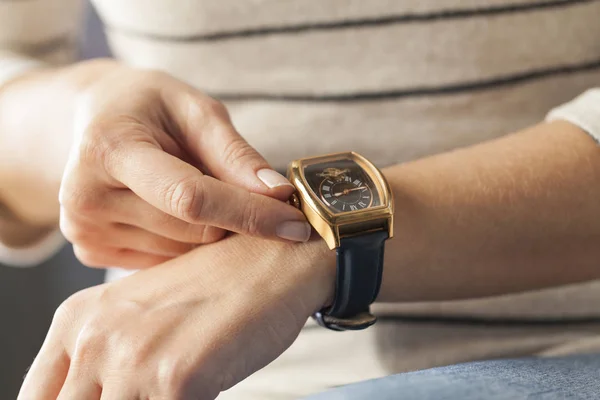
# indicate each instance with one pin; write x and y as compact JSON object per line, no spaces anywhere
{"x":187,"y":329}
{"x":156,"y":168}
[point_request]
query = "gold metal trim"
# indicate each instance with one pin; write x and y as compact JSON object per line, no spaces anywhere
{"x":327,"y":223}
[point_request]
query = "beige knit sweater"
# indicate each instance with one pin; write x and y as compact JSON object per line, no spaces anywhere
{"x":394,"y":80}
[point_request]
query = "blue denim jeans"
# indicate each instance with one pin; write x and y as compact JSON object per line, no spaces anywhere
{"x":560,"y":378}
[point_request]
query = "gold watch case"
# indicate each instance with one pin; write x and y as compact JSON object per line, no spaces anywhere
{"x":334,"y":226}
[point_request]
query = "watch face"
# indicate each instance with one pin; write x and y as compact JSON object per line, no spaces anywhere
{"x":342,"y":186}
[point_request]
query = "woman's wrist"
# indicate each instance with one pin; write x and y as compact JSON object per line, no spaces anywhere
{"x":485,"y":220}
{"x":320,"y":264}
{"x":303,"y":271}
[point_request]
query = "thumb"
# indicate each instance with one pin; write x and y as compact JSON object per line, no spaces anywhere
{"x":209,"y":136}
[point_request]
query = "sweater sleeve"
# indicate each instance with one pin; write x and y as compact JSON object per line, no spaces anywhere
{"x":583,"y":111}
{"x":34,"y":253}
{"x":35,"y":34}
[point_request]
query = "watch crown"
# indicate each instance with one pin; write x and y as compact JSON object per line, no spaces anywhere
{"x":295,"y":200}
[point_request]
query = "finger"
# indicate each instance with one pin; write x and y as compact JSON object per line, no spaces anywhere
{"x":128,"y":208}
{"x":103,"y":257}
{"x":46,"y":376}
{"x":83,"y":231}
{"x":137,"y":239}
{"x":182,"y":191}
{"x":208,"y":133}
{"x":49,"y":370}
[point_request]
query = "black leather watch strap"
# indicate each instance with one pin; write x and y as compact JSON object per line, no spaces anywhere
{"x":359,"y":272}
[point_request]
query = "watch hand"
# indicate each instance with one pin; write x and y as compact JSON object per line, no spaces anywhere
{"x":346,"y":191}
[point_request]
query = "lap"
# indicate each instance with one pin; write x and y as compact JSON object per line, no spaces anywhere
{"x":571,"y":377}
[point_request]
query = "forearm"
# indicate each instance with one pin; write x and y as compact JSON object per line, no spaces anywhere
{"x":36,"y":127}
{"x":514,"y":214}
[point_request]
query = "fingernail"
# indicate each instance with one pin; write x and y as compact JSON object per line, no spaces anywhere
{"x":298,"y":231}
{"x":272,"y":178}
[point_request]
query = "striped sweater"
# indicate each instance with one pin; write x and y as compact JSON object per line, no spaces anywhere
{"x":394,"y":80}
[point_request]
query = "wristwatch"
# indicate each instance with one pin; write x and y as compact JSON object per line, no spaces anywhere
{"x":348,"y":202}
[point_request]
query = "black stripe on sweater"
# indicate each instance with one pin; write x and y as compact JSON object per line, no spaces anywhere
{"x":357,"y":23}
{"x":42,"y":48}
{"x":507,"y":80}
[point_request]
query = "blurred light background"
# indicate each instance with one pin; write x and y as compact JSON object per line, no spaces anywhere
{"x":29,"y":296}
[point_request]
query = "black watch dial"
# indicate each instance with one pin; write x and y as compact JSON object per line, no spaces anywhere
{"x":342,"y":186}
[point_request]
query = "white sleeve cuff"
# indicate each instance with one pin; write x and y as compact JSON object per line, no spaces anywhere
{"x":34,"y":254}
{"x":583,"y":111}
{"x":114,"y":274}
{"x":13,"y":65}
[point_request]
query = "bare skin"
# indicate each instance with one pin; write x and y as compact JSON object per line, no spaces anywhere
{"x":148,"y":167}
{"x":510,"y":215}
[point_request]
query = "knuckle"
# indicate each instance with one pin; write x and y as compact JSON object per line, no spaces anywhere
{"x":64,"y":313}
{"x":81,"y":201}
{"x":87,"y":256}
{"x":212,"y":108}
{"x":73,"y":232}
{"x":206,"y":111}
{"x":173,"y":377}
{"x":95,"y":144}
{"x":130,"y":351}
{"x":105,"y":139}
{"x":238,"y":151}
{"x":91,"y":341}
{"x":67,"y":311}
{"x":186,"y":199}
